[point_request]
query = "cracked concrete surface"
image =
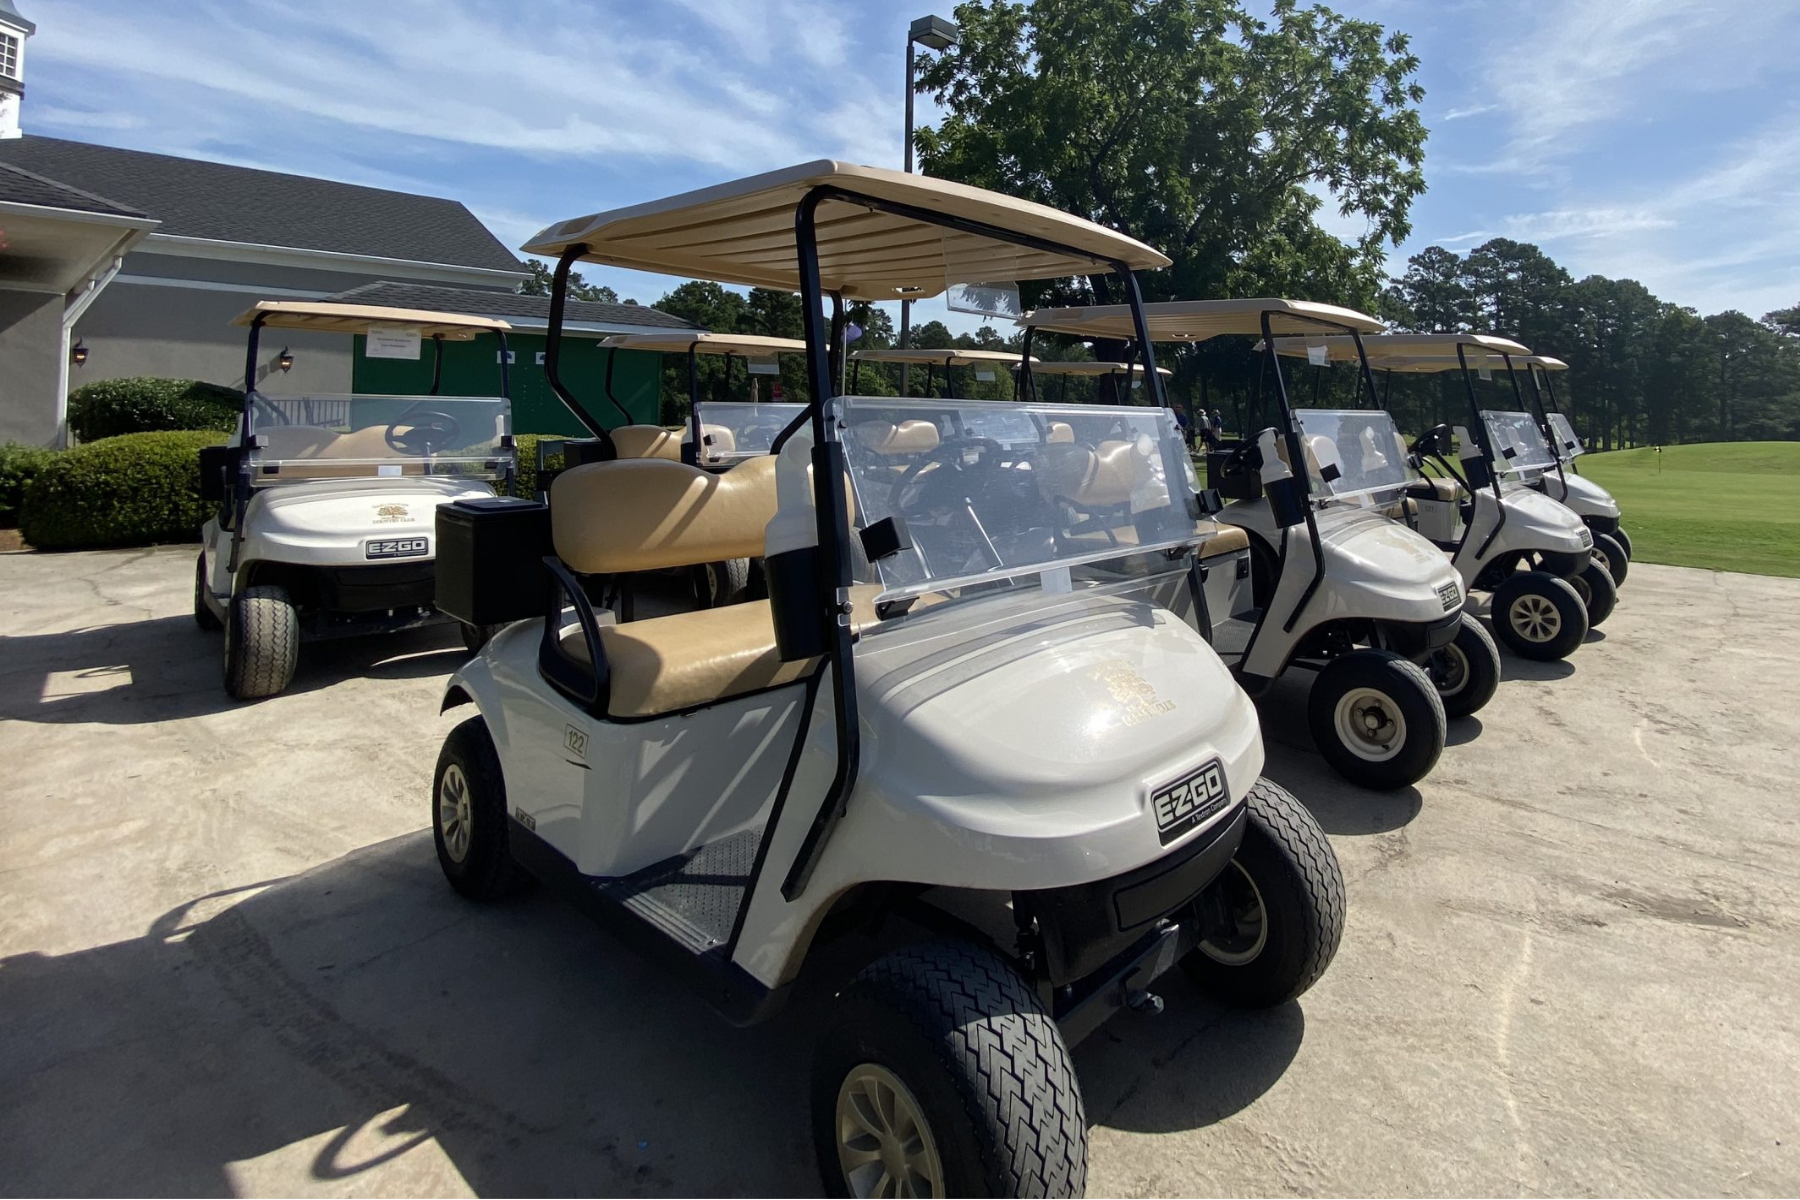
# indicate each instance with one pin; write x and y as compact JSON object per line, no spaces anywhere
{"x":228,"y":964}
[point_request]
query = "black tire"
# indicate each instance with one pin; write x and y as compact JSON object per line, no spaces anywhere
{"x":468,"y":782}
{"x":1467,"y":671}
{"x":1533,"y":632}
{"x":1624,"y":539}
{"x":474,"y":637}
{"x":1611,"y":553}
{"x":720,"y":583}
{"x":1275,"y":916}
{"x":204,"y":616}
{"x":984,"y":1065}
{"x":1599,"y":594}
{"x":1394,"y":701}
{"x":262,"y":643}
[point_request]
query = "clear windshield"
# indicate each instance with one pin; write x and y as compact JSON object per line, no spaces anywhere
{"x":1567,"y":444}
{"x":1091,"y":483}
{"x":311,"y":437}
{"x":732,"y":431}
{"x":1518,"y":443}
{"x":1365,"y":443}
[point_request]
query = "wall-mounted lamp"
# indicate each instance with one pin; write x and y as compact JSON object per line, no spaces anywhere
{"x":284,"y":360}
{"x":78,"y":354}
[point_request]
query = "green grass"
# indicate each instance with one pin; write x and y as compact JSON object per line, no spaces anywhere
{"x":1727,"y":506}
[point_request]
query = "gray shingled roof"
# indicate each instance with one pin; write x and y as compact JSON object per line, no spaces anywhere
{"x":240,"y":204}
{"x":510,"y":305}
{"x":19,"y":186}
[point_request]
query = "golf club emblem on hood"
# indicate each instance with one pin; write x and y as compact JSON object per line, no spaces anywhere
{"x":387,"y":513}
{"x":1133,"y":693}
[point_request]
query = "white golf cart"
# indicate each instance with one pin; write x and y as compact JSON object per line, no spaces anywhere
{"x":326,"y":503}
{"x":1332,"y":586}
{"x":1566,"y":485}
{"x":1528,"y":551}
{"x":934,"y":721}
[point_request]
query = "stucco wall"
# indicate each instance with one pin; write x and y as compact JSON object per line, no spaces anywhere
{"x":30,"y":353}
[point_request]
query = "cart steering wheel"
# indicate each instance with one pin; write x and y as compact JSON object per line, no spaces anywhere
{"x":417,"y":433}
{"x":948,"y":453}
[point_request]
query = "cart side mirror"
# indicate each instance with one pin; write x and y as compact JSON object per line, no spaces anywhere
{"x":1211,"y":503}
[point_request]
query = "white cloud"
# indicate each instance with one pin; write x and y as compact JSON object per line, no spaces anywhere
{"x":1473,"y":110}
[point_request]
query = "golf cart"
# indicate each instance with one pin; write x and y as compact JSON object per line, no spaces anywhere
{"x":1581,"y":496}
{"x":1329,"y":581}
{"x":984,"y":365}
{"x":325,"y":504}
{"x":931,"y":729}
{"x":1121,"y":376}
{"x":1528,"y":551}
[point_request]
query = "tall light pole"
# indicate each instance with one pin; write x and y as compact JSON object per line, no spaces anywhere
{"x":933,"y":33}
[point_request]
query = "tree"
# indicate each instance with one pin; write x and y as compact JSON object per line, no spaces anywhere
{"x":1517,"y":291}
{"x":1433,"y":295}
{"x":538,"y":280}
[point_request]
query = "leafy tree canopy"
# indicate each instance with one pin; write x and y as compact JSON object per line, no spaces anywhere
{"x":538,"y":284}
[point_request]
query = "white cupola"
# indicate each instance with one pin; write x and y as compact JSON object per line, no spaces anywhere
{"x":14,"y":29}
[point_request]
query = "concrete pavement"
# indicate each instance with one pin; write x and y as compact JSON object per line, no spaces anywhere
{"x":228,"y":963}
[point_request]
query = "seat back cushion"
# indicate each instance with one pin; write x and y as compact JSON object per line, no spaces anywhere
{"x":647,"y":514}
{"x":1226,"y":539}
{"x":646,"y":441}
{"x":910,"y":436}
{"x":1060,"y":431}
{"x":1087,"y":476}
{"x":315,"y":443}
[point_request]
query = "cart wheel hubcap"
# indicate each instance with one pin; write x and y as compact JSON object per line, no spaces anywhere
{"x":1535,"y":618}
{"x":1370,"y":724}
{"x":884,"y":1145}
{"x":1450,"y":670}
{"x":1583,"y":590}
{"x":1241,"y":907}
{"x":1599,"y":556}
{"x":453,"y":812}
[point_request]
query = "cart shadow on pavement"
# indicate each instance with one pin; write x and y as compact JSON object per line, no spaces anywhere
{"x":343,"y":1020}
{"x":1291,"y":759}
{"x":167,"y":669}
{"x":1513,"y":668}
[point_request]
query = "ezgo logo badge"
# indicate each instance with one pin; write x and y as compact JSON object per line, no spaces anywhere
{"x":1184,"y":804}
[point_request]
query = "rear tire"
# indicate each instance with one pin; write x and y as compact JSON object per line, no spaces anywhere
{"x":474,"y":637}
{"x":1275,"y":916}
{"x":204,"y":616}
{"x":1377,"y":719}
{"x":1599,"y":594}
{"x":262,"y":643}
{"x":468,"y":817}
{"x":1611,"y":554}
{"x":1539,"y":616}
{"x":1467,"y":671}
{"x":721,"y":583}
{"x":1624,"y":539}
{"x":981,"y":1096}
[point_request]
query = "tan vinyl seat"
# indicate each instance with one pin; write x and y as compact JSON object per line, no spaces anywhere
{"x":646,"y":441}
{"x":911,"y":436}
{"x":632,"y":515}
{"x":1226,"y":539}
{"x":1060,"y":431}
{"x":666,"y":664}
{"x":1448,"y":490}
{"x":1089,"y":477}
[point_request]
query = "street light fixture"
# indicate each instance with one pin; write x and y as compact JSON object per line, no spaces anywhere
{"x":78,"y":354}
{"x":285,"y":361}
{"x":933,"y":33}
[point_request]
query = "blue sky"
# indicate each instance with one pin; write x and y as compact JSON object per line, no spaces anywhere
{"x":1650,"y":139}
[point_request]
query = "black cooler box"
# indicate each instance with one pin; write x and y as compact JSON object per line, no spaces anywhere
{"x":490,"y":559}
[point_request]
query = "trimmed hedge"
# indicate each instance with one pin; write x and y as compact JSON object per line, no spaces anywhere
{"x":19,"y":465}
{"x":525,"y":478}
{"x":147,"y":404}
{"x":134,"y":490}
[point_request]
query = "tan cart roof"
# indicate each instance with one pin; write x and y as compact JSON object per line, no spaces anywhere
{"x":1089,"y":367}
{"x":322,"y":317}
{"x":743,"y":232}
{"x":1198,"y":320}
{"x":1386,"y":346}
{"x":950,"y":355}
{"x":680,"y":341}
{"x":1426,"y":363}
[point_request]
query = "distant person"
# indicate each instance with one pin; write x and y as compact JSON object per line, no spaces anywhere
{"x":1217,"y":425}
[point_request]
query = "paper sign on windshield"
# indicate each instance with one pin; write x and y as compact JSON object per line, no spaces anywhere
{"x":1318,"y":356}
{"x":392,"y":343}
{"x":762,"y":366}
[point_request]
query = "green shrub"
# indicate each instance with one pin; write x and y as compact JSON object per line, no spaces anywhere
{"x":19,"y":465}
{"x":146,"y":404}
{"x":134,"y":490}
{"x":525,"y":481}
